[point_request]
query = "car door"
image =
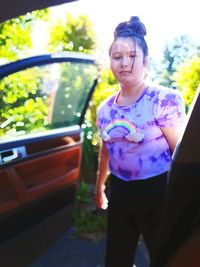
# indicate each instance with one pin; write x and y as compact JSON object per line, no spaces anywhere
{"x":179,"y":235}
{"x":42,"y":106}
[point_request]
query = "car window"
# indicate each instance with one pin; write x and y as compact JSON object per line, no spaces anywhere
{"x":46,"y":97}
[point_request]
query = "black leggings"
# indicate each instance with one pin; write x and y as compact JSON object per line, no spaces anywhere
{"x":134,"y":209}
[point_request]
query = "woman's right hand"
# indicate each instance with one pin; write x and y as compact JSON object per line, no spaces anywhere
{"x":101,"y":199}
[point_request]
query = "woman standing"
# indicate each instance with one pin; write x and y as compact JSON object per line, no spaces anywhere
{"x":139,"y":126}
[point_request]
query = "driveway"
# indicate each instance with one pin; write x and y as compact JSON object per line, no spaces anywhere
{"x":70,"y":251}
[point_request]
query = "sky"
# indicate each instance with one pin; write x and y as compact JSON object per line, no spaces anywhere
{"x":164,"y":20}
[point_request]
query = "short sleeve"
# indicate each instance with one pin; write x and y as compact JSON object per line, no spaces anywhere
{"x":170,"y":109}
{"x":98,"y":121}
{"x":99,"y":117}
{"x":103,"y":111}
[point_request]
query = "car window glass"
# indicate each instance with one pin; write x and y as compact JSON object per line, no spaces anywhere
{"x":44,"y":97}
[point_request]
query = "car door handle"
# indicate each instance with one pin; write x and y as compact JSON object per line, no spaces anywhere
{"x":12,"y":154}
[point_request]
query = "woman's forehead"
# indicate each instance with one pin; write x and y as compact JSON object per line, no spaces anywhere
{"x":125,"y":44}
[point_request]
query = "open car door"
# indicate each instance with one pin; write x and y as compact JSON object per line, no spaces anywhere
{"x":179,"y":239}
{"x":42,"y":107}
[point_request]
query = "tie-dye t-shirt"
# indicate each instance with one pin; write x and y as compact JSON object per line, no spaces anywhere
{"x":137,"y":147}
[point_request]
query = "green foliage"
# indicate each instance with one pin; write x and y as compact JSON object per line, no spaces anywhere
{"x":22,"y":106}
{"x":86,"y":221}
{"x":42,"y":14}
{"x":107,"y":86}
{"x":15,"y":35}
{"x":89,"y":224}
{"x":77,"y":34}
{"x":22,"y":109}
{"x":187,"y":79}
{"x":89,"y":155}
{"x":176,"y":53}
{"x":72,"y":35}
{"x":14,"y":38}
{"x":75,"y":82}
{"x":83,"y":195}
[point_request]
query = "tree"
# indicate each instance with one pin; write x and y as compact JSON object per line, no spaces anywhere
{"x":77,"y":35}
{"x":15,"y":35}
{"x":74,"y":34}
{"x":176,"y":53}
{"x":21,"y":103}
{"x":23,"y":106}
{"x":187,"y":79}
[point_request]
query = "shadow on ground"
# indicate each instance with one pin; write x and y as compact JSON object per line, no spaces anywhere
{"x":73,"y":251}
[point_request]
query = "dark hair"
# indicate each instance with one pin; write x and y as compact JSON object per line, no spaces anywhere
{"x":133,"y":29}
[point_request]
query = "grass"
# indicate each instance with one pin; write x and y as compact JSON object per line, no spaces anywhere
{"x":88,"y":221}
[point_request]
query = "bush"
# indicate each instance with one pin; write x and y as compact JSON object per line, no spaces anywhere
{"x":88,"y":221}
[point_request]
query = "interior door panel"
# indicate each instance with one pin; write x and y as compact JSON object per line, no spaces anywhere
{"x":52,"y":168}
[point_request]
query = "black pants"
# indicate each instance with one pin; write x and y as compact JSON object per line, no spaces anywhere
{"x":134,"y":209}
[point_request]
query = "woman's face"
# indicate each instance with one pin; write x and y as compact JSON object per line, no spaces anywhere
{"x":127,"y":61}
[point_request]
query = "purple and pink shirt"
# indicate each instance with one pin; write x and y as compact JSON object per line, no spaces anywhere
{"x":136,"y":145}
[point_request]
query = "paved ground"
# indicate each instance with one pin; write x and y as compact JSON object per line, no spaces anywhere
{"x":69,"y":251}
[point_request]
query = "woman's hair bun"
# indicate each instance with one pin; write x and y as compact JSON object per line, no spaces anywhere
{"x":134,"y":19}
{"x":133,"y":29}
{"x":137,"y":26}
